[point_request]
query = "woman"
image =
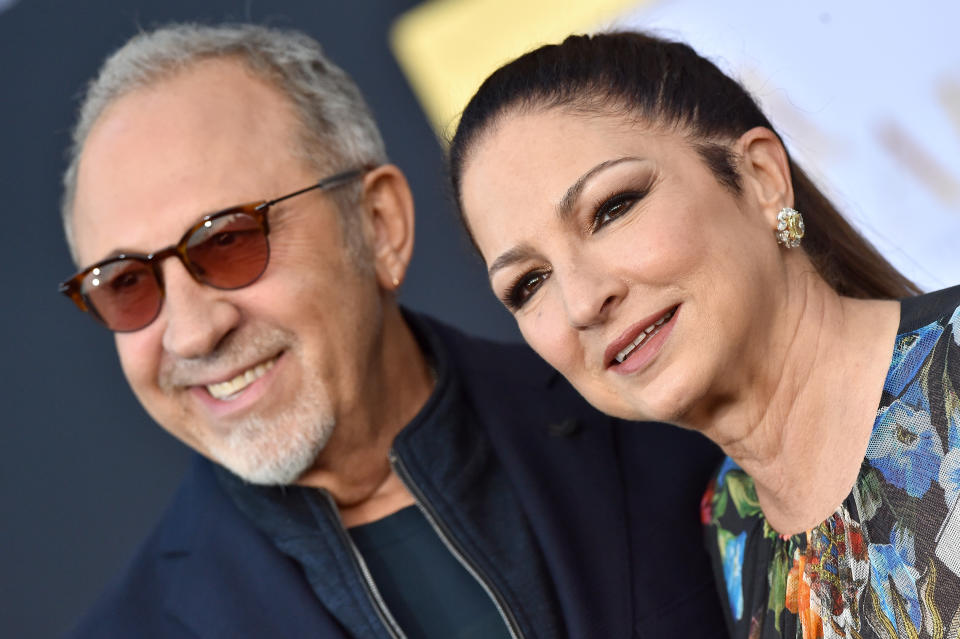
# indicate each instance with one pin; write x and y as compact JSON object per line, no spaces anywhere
{"x":639,"y":217}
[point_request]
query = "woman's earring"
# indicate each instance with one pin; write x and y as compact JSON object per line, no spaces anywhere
{"x":790,"y":227}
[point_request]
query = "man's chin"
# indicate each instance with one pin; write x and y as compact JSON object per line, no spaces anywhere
{"x":272,"y":460}
{"x":280,"y":472}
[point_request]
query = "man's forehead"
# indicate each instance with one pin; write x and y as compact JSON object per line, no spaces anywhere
{"x":212,"y":96}
{"x":202,"y":139}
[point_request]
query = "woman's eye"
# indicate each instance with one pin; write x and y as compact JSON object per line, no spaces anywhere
{"x":521,"y":290}
{"x":613,"y":208}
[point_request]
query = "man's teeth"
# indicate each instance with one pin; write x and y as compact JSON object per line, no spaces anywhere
{"x":622,"y":355}
{"x":224,"y":390}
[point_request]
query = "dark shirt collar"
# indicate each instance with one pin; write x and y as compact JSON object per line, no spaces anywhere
{"x":450,"y":465}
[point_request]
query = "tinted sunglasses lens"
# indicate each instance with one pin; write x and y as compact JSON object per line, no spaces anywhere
{"x":228,"y":251}
{"x":125,"y":294}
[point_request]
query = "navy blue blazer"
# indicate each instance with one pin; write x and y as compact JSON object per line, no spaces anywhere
{"x":613,"y":505}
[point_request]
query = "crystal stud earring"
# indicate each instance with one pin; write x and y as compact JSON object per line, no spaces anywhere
{"x":790,"y":227}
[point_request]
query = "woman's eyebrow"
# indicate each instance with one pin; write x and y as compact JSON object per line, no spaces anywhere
{"x":569,"y":199}
{"x":516,"y":254}
{"x":564,"y":209}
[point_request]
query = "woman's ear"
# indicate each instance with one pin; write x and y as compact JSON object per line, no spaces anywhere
{"x":389,"y":206}
{"x":765,"y":170}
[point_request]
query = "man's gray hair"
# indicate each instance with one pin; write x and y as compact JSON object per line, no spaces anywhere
{"x":337,"y":128}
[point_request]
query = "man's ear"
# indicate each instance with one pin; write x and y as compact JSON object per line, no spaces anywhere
{"x":389,"y":206}
{"x":765,"y":169}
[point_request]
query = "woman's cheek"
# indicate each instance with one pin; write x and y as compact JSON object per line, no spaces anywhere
{"x":544,"y":328}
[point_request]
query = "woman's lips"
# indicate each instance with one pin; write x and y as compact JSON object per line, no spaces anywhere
{"x":637,"y":337}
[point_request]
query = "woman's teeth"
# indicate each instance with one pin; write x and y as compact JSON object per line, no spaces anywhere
{"x":622,"y":355}
{"x":224,"y":390}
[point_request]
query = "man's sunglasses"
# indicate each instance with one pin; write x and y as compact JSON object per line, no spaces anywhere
{"x":225,"y":250}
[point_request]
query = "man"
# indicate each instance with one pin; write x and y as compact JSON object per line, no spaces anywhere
{"x":364,"y":472}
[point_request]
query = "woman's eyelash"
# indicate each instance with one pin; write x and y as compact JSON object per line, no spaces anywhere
{"x":527,"y":284}
{"x":523,"y":288}
{"x":612,"y":208}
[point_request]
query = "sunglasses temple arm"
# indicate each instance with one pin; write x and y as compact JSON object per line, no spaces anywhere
{"x":326,"y":183}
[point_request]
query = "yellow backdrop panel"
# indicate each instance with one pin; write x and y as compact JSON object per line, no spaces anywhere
{"x":447,"y":47}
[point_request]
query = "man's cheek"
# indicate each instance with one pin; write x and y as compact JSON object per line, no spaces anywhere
{"x":139,"y":366}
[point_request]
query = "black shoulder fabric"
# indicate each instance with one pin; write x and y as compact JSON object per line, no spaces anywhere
{"x":921,"y":310}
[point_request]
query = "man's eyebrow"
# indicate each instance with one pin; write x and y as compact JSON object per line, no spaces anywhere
{"x":569,"y":199}
{"x":512,"y":256}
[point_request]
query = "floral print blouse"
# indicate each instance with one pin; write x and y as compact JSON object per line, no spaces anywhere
{"x":886,"y":564}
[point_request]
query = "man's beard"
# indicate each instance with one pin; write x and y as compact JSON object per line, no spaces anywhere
{"x":271,"y":448}
{"x":278,"y":449}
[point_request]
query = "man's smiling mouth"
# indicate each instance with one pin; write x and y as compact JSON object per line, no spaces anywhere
{"x":230,"y":389}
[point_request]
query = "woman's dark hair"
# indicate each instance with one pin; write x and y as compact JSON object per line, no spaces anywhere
{"x":669,"y":84}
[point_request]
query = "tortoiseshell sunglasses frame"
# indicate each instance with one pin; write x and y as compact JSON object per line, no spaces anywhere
{"x":73,"y":287}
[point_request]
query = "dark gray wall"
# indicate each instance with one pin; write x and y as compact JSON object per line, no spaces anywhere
{"x":85,"y":473}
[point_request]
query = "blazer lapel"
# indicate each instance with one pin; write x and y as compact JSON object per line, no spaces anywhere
{"x":562,"y":459}
{"x":225,"y":579}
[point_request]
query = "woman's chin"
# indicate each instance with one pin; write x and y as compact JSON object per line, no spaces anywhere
{"x":621,"y":407}
{"x":666,"y":399}
{"x":641,"y":408}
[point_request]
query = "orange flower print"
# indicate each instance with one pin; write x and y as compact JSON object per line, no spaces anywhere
{"x":798,"y":600}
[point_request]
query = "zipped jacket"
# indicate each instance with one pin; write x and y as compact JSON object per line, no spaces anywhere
{"x":576,"y":524}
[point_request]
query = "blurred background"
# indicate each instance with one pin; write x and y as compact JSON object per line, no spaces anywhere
{"x":867,"y":97}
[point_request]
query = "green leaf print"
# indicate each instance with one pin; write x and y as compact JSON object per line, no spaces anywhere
{"x":870,"y":495}
{"x":777,"y":576}
{"x":904,"y":623}
{"x":720,"y":499}
{"x":926,"y":587}
{"x":743,"y":493}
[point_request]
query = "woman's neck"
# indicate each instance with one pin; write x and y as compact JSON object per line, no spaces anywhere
{"x":802,"y":427}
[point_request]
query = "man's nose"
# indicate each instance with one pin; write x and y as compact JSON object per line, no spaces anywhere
{"x":589,"y":294}
{"x":197,"y":316}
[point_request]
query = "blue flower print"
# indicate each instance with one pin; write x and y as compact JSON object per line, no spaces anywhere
{"x":949,"y":478}
{"x":909,"y":353}
{"x":905,"y":448}
{"x":905,"y":543}
{"x":954,"y":324}
{"x":951,"y":392}
{"x":731,"y":551}
{"x":886,"y":565}
{"x":727,"y":465}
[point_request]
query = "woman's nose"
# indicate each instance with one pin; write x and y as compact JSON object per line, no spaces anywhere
{"x":590,"y":294}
